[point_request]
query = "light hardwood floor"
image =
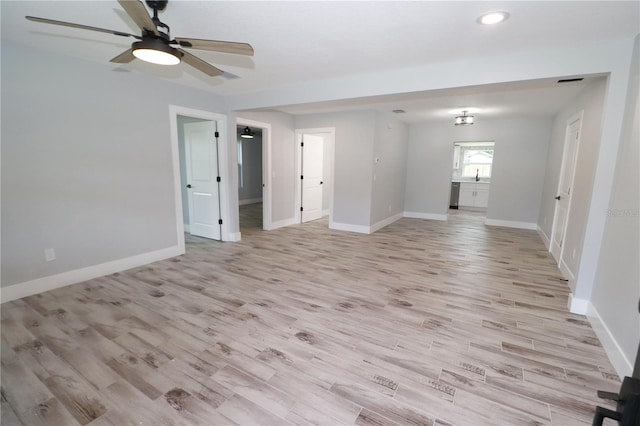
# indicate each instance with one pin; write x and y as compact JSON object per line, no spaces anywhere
{"x":422,"y":323}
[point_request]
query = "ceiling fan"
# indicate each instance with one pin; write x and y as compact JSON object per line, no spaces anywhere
{"x":155,"y":44}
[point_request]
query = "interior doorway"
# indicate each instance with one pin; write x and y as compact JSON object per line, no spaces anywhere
{"x":471,"y":172}
{"x":314,"y":153}
{"x":253,"y":156}
{"x":200,"y":173}
{"x":250,"y":177}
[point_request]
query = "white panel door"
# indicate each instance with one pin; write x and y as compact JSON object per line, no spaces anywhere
{"x":312,"y":165}
{"x":201,"y":157}
{"x":572,"y":140}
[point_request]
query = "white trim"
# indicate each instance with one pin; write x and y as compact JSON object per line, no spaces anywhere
{"x":429,"y":216}
{"x":283,"y":223}
{"x":544,"y":237}
{"x":234,"y":237}
{"x":577,"y":306}
{"x":620,"y":362}
{"x":350,"y":228}
{"x":249,"y":201}
{"x":384,"y":222}
{"x":511,"y":224}
{"x":221,"y":126}
{"x":326,"y":212}
{"x":331,"y":139}
{"x":40,"y":285}
{"x":266,"y":168}
{"x":187,"y":228}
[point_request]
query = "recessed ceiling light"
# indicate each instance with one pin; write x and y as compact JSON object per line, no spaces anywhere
{"x":492,"y":18}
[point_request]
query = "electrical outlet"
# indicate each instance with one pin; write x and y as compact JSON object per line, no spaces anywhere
{"x":49,"y":254}
{"x":573,"y":254}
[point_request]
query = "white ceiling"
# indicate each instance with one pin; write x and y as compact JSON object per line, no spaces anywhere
{"x":301,"y":41}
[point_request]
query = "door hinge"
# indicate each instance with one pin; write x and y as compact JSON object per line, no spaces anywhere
{"x":217,"y":178}
{"x":301,"y":209}
{"x":301,"y":143}
{"x":219,"y":221}
{"x":216,"y":134}
{"x":301,"y":177}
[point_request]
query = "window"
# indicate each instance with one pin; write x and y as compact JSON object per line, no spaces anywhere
{"x":473,"y":159}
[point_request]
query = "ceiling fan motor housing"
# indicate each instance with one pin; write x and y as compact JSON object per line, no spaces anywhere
{"x":157,"y":4}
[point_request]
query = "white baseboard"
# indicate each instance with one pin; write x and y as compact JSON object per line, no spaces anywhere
{"x":234,"y":237}
{"x":388,"y":221}
{"x":620,"y":362}
{"x":577,"y":306}
{"x":40,"y":285}
{"x":430,"y":216}
{"x":187,"y":228}
{"x":283,"y":223}
{"x":249,"y":201}
{"x":350,"y":228}
{"x":511,"y":224}
{"x":545,"y":239}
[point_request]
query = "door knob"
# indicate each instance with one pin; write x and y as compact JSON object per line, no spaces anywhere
{"x":189,"y":186}
{"x":558,"y":198}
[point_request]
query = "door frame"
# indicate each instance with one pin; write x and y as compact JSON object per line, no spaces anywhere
{"x":266,"y":168}
{"x":561,"y":264}
{"x":223,"y":169}
{"x":331,"y":131}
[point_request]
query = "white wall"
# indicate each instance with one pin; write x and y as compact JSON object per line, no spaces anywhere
{"x":616,"y":287}
{"x":590,"y":101}
{"x":388,"y":186}
{"x":282,"y":160}
{"x":354,"y":141}
{"x":86,"y":163}
{"x":518,"y":165}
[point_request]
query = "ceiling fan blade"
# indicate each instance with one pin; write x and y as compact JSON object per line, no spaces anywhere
{"x":124,"y":58}
{"x":199,"y":64}
{"x":216,"y":46}
{"x":138,"y":12}
{"x":79,"y":26}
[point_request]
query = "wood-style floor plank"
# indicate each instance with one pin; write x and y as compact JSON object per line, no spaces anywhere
{"x":424,"y":322}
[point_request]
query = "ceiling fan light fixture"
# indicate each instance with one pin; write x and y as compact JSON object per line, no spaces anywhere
{"x":156,"y":52}
{"x":247,"y":133}
{"x":464,"y":119}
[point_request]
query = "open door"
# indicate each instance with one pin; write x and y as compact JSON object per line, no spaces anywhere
{"x":311,"y":175}
{"x":563,"y":196}
{"x":201,"y":157}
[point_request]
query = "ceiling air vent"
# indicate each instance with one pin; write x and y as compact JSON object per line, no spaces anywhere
{"x":570,"y":80}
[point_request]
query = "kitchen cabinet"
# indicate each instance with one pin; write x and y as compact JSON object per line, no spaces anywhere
{"x":474,"y":194}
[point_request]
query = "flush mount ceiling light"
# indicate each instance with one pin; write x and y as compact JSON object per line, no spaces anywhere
{"x":156,"y":51}
{"x":247,"y":133}
{"x":464,"y":119}
{"x":492,"y":18}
